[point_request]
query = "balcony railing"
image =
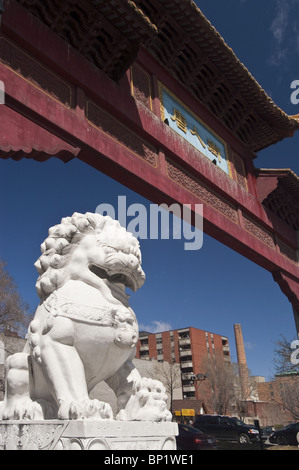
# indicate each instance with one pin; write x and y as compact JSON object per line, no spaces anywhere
{"x":184,"y":341}
{"x":185,"y":352}
{"x":186,"y":364}
{"x":188,"y":388}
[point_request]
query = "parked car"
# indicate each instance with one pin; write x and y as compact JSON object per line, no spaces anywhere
{"x":190,"y":438}
{"x":262,"y":435}
{"x":267,"y":430}
{"x":285,"y":436}
{"x":226,"y":428}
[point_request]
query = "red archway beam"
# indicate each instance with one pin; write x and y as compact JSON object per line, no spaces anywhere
{"x":106,"y":153}
{"x":20,"y":137}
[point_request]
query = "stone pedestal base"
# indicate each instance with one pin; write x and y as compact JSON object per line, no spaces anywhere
{"x":87,"y":435}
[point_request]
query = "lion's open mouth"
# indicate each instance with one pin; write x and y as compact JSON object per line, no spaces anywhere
{"x":127,"y":279}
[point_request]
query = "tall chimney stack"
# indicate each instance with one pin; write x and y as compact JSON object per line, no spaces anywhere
{"x":242,"y":363}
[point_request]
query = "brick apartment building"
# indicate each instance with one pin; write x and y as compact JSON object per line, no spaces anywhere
{"x":272,"y":391}
{"x":276,"y":394}
{"x":189,"y":347}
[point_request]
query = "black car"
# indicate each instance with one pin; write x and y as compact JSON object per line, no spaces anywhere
{"x":226,"y":428}
{"x":190,"y":438}
{"x":285,"y":436}
{"x":267,"y":430}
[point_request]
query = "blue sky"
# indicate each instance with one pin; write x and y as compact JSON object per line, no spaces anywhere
{"x":212,"y":288}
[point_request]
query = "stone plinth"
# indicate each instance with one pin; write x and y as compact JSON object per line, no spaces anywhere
{"x":87,"y":435}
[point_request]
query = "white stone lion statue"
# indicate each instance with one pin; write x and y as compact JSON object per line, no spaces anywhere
{"x":84,"y":330}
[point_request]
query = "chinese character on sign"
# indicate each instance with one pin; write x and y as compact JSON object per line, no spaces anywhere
{"x":180,"y":120}
{"x":194,"y":132}
{"x":214,"y":149}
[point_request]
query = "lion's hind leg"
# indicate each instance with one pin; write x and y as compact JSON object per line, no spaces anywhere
{"x":17,"y":402}
{"x":138,"y":398}
{"x":64,"y":371}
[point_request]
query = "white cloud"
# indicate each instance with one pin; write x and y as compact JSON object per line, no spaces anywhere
{"x":296,"y":35}
{"x":156,"y":326}
{"x":249,"y":346}
{"x":278,"y":29}
{"x":282,"y":24}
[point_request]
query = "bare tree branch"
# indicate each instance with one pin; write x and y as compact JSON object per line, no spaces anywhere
{"x":221,"y":377}
{"x":290,"y":397}
{"x":14,"y":315}
{"x":282,"y":356}
{"x":170,"y":375}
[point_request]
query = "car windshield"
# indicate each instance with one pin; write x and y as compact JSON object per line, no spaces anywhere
{"x":238,"y":422}
{"x":190,"y":429}
{"x":289,"y":426}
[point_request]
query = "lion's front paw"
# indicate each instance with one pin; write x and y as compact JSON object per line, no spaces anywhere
{"x":85,"y":409}
{"x":147,"y":403}
{"x":22,"y":408}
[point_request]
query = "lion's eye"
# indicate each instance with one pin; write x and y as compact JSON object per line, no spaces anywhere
{"x":109,"y":249}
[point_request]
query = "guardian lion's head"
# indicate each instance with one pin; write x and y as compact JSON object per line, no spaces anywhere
{"x":90,"y":248}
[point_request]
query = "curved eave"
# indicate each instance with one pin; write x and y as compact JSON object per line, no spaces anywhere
{"x":243,"y":79}
{"x":273,"y":122}
{"x":278,"y":190}
{"x":284,"y":175}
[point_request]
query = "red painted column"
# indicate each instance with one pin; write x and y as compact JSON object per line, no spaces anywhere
{"x":296,"y":318}
{"x":290,"y":287}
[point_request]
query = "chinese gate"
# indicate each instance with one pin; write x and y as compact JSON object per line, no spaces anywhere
{"x":148,"y":93}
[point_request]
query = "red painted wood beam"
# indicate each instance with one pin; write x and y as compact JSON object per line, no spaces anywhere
{"x":106,"y":154}
{"x":22,"y":138}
